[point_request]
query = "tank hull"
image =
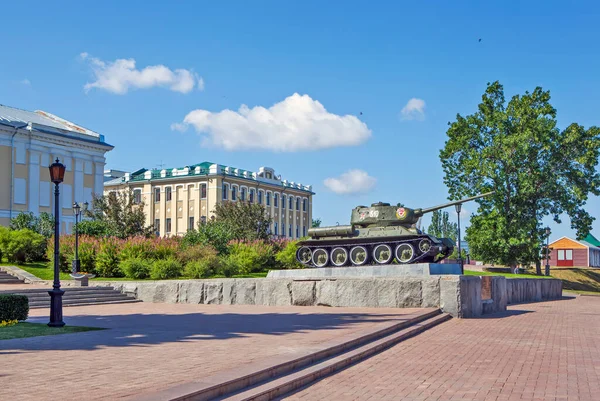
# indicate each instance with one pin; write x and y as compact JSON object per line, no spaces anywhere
{"x":360,"y":250}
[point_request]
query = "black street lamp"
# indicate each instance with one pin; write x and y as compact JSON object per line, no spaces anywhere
{"x":77,"y":212}
{"x":57,"y":174}
{"x":458,"y":206}
{"x":547,"y":251}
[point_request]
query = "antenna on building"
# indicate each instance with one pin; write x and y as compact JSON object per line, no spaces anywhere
{"x":160,"y":165}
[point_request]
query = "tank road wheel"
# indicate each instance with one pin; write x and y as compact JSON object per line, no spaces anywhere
{"x":382,"y":254}
{"x":424,"y":245}
{"x":359,"y":255}
{"x":320,"y":257}
{"x":339,"y":256}
{"x":405,"y":253}
{"x":304,"y":255}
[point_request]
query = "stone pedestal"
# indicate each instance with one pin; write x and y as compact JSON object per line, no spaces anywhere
{"x":82,"y":280}
{"x":416,"y":269}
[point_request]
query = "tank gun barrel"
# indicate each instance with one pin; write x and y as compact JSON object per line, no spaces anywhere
{"x":420,"y":212}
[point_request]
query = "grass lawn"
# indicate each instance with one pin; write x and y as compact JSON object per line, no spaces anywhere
{"x":24,"y":329}
{"x":508,"y":275}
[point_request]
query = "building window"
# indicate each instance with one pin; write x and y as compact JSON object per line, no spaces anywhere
{"x":290,"y":231}
{"x":168,"y":194}
{"x":156,"y":194}
{"x":297,"y":231}
{"x":243,"y":194}
{"x":291,"y":204}
{"x":304,"y":202}
{"x":283,"y":201}
{"x":203,"y":191}
{"x":225,"y":190}
{"x":157,"y":226}
{"x":268,"y":199}
{"x":276,"y":200}
{"x":168,"y":226}
{"x":251,"y":196}
{"x":297,"y":203}
{"x":137,"y":196}
{"x":260,"y":193}
{"x":191,"y":223}
{"x":276,"y":229}
{"x":283,"y":229}
{"x":233,"y":193}
{"x":304,"y":231}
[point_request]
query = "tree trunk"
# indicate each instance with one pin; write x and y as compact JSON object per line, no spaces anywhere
{"x":538,"y":267}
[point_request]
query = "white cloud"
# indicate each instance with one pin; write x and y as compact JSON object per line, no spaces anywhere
{"x":26,"y":82}
{"x":295,"y":124}
{"x":414,"y":110}
{"x":121,"y":75}
{"x":351,"y":182}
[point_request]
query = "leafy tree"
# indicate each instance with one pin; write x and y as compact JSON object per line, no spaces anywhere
{"x":244,"y":220}
{"x":441,"y":226}
{"x":119,"y":215}
{"x":42,"y":224}
{"x":536,"y":169}
{"x":316,"y":223}
{"x":214,"y":233}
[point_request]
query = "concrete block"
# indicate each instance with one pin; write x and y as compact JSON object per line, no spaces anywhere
{"x":450,"y":293}
{"x":303,"y":293}
{"x":325,"y":292}
{"x":245,"y":292}
{"x":213,"y":292}
{"x":274,"y":292}
{"x":191,"y":292}
{"x":430,"y":292}
{"x":229,"y":291}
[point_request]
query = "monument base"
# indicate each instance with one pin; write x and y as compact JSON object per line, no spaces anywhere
{"x":416,"y":269}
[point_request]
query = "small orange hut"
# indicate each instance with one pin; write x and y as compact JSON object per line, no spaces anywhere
{"x":569,"y":252}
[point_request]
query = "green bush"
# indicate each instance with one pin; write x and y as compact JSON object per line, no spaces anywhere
{"x":87,"y":256}
{"x":251,"y":257}
{"x":20,"y":246}
{"x":13,"y":307}
{"x":202,"y":268}
{"x":137,"y":248}
{"x":195,"y":252}
{"x":228,"y":266}
{"x":136,"y":268}
{"x":166,"y":268}
{"x":213,"y":233}
{"x":107,"y":259}
{"x":287,"y":256}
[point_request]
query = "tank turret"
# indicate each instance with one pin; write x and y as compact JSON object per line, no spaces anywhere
{"x":380,"y":234}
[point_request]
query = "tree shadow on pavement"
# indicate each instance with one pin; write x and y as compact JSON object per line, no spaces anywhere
{"x":150,"y":329}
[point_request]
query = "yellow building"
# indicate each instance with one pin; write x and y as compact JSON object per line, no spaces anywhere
{"x":29,"y":143}
{"x":175,"y":200}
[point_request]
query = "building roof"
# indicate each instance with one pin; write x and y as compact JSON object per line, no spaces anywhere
{"x":591,"y":240}
{"x":580,"y":242}
{"x":205,"y":169}
{"x":17,"y":118}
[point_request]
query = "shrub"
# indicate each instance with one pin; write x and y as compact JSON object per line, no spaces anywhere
{"x":195,"y":252}
{"x":251,"y":257}
{"x":287,"y":256}
{"x":228,"y":266}
{"x":136,"y":268}
{"x":166,"y":248}
{"x":203,"y":268}
{"x":107,"y":259}
{"x":137,"y":248}
{"x":213,"y":233}
{"x":166,"y":268}
{"x":13,"y":307}
{"x":87,"y":254}
{"x":22,"y":246}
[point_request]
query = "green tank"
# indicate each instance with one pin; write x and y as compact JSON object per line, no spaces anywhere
{"x":381,"y":234}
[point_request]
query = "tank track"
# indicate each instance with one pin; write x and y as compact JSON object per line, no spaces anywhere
{"x":362,"y":253}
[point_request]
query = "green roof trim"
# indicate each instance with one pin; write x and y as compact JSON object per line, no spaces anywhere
{"x":592,"y":240}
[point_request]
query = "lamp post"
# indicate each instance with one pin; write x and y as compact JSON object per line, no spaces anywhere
{"x":77,"y":212}
{"x":57,"y":174}
{"x":458,"y":206}
{"x":547,"y":251}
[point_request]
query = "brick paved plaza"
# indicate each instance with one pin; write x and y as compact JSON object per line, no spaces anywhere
{"x":540,"y":351}
{"x":151,"y":347}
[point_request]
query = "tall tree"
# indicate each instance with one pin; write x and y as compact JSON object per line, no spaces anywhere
{"x":116,"y":214}
{"x":245,"y":220}
{"x":536,"y":169}
{"x":316,"y":223}
{"x":441,"y":226}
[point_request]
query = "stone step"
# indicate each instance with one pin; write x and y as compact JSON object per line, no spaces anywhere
{"x":312,"y":373}
{"x":87,"y":303}
{"x":85,"y":294}
{"x":46,"y":298}
{"x":68,"y":301}
{"x":242,"y":379}
{"x":66,"y":289}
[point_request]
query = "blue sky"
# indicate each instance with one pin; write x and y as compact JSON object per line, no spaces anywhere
{"x":350,"y":56}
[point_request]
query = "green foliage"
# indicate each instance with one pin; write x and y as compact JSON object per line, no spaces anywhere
{"x":251,"y":257}
{"x":96,"y":228}
{"x":195,"y":252}
{"x":120,"y":216}
{"x":107,"y":259}
{"x":287,"y":256}
{"x":228,"y":266}
{"x":43,"y":224}
{"x":536,"y":169}
{"x":166,"y":268}
{"x":136,"y":248}
{"x":316,"y":223}
{"x":214,"y":233}
{"x":136,"y":268}
{"x":442,"y":227}
{"x":244,"y":220}
{"x":204,"y":267}
{"x":13,"y":307}
{"x":87,"y":256}
{"x":23,"y":245}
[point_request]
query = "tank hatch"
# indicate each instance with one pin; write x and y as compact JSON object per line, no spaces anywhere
{"x":379,"y":204}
